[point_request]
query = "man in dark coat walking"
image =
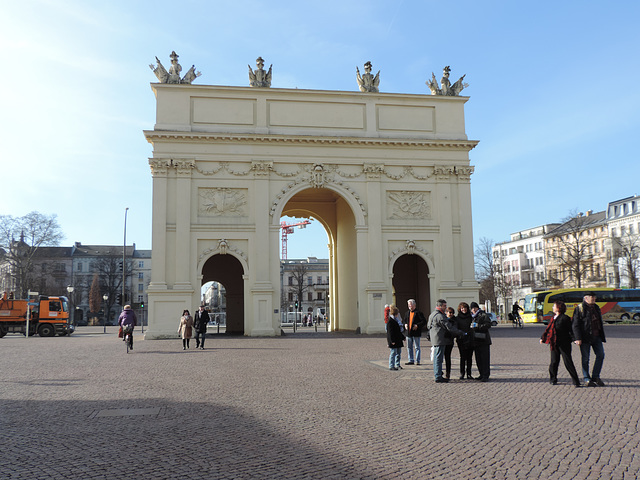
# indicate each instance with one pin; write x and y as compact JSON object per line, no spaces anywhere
{"x":200,"y":322}
{"x":588,"y":332}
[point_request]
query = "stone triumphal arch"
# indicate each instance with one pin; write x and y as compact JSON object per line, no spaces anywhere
{"x":387,"y":174}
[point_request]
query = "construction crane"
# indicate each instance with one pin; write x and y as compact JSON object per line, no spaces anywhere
{"x":287,"y":229}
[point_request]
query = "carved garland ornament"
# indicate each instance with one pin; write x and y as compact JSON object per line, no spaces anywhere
{"x":410,"y":248}
{"x":220,"y":202}
{"x":223,"y":248}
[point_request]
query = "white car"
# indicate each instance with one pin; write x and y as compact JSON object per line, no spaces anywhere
{"x":494,"y":320}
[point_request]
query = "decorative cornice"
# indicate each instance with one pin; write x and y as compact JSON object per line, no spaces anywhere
{"x":153,"y":136}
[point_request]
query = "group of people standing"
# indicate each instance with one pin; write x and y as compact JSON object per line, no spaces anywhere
{"x":470,"y":326}
{"x":198,"y":323}
{"x":586,"y":329}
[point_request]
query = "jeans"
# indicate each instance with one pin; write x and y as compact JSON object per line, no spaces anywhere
{"x":585,"y":350}
{"x":438,"y":356}
{"x":200,"y":339}
{"x":411,"y":341}
{"x":394,"y":357}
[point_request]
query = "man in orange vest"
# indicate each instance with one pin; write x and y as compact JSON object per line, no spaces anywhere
{"x":414,"y":322}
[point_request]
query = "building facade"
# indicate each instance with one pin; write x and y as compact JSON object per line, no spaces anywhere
{"x":623,"y":244}
{"x":576,"y":252}
{"x":305,"y":281}
{"x":519,"y":266}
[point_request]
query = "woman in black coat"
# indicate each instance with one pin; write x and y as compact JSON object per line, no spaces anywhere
{"x":558,"y":336}
{"x":465,"y":346}
{"x":395,"y":340}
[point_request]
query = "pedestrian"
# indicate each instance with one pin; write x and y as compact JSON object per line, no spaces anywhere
{"x":128,"y":319}
{"x":414,"y":322}
{"x":395,"y":340}
{"x":441,"y":330}
{"x":185,"y":327}
{"x":558,"y":336}
{"x":451,"y":319}
{"x":588,"y":332}
{"x":200,"y":321}
{"x":480,"y":325}
{"x":465,"y":344}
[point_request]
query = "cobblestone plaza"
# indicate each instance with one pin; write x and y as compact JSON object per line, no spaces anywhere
{"x":309,"y":405}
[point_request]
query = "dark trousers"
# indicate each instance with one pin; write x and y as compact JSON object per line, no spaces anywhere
{"x":447,"y":359}
{"x":562,"y":350}
{"x":200,"y":338}
{"x":483,"y":360}
{"x":466,"y":359}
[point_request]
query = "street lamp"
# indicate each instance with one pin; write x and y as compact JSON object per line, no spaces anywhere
{"x":105,"y":297}
{"x":124,"y":250}
{"x":71,"y":312}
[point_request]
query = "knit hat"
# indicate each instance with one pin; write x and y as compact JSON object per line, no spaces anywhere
{"x":474,"y":305}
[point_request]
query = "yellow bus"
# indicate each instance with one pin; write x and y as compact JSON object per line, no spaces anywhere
{"x":616,"y":305}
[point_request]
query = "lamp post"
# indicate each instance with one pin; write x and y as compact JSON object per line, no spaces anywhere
{"x":71,"y":311}
{"x":105,"y":297}
{"x":124,"y":251}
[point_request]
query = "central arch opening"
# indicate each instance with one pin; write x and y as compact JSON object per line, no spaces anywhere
{"x":334,"y":213}
{"x":227,"y":270}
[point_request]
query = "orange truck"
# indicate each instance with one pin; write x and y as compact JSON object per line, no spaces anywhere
{"x":44,"y":315}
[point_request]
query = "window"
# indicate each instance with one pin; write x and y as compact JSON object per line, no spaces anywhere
{"x":613,"y":232}
{"x":79,"y":267}
{"x":43,"y":267}
{"x":319,"y":295}
{"x":140,"y":298}
{"x":310,"y":296}
{"x":319,"y":279}
{"x":141,"y":287}
{"x":141,"y":275}
{"x":291,"y":296}
{"x":309,"y":280}
{"x":141,"y":264}
{"x":290,"y":280}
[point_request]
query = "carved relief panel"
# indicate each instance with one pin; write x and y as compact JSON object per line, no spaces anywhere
{"x":222,"y":202}
{"x":408,"y":205}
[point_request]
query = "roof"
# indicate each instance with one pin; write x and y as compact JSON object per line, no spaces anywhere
{"x":579,"y":223}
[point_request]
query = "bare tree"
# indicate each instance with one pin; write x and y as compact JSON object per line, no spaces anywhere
{"x":299,"y":274}
{"x":485,"y":270}
{"x":575,"y":255}
{"x":628,"y":249}
{"x":34,"y":230}
{"x":110,"y":271}
{"x":95,"y":298}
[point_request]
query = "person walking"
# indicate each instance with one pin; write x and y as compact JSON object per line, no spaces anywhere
{"x":558,"y":336}
{"x":200,"y":321}
{"x":465,"y":344}
{"x":588,"y":332}
{"x":480,"y":325}
{"x":185,"y":328}
{"x":441,"y":330}
{"x":414,"y":322}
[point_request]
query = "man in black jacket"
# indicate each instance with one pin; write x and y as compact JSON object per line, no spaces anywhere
{"x":200,"y":322}
{"x":414,"y":322}
{"x":588,"y":332}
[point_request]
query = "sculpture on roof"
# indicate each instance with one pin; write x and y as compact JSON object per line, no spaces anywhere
{"x":173,"y":75}
{"x":367,"y":82}
{"x":446,"y":88}
{"x":260,"y":78}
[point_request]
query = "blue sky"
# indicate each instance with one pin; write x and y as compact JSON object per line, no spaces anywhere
{"x":553,"y":94}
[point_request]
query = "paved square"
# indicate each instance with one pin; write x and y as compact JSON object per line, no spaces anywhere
{"x":314,"y":406}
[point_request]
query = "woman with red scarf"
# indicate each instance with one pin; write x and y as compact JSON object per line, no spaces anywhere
{"x":558,"y":336}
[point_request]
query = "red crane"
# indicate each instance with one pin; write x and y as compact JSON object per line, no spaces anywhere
{"x":287,"y":229}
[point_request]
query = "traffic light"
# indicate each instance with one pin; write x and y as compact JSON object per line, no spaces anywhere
{"x":141,"y":304}
{"x":296,"y":305}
